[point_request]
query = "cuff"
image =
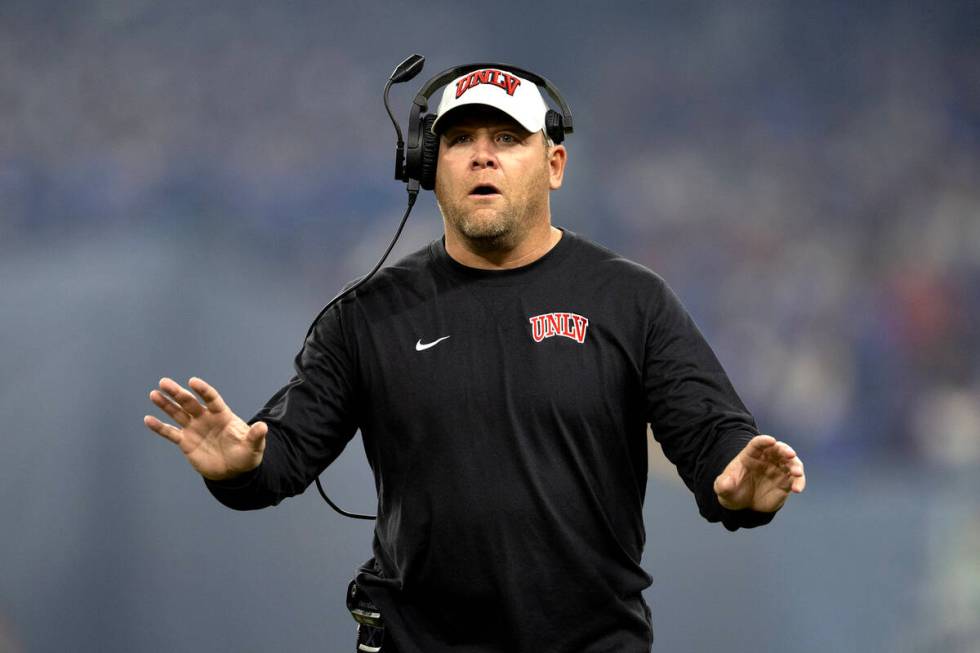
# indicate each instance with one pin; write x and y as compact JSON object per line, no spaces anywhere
{"x":243,"y":492}
{"x":235,"y":482}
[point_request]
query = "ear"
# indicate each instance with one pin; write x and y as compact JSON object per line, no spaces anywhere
{"x":557,"y":158}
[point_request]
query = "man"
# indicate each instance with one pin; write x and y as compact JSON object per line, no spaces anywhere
{"x":502,"y":378}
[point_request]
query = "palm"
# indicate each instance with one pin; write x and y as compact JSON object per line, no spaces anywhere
{"x":212,"y":441}
{"x":761,"y":476}
{"x":215,"y":441}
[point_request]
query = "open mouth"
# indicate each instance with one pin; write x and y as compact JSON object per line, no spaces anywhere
{"x":485,"y":190}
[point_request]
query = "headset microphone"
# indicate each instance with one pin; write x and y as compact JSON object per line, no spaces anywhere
{"x":405,"y":71}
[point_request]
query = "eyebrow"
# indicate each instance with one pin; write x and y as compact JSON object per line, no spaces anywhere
{"x":506,"y":126}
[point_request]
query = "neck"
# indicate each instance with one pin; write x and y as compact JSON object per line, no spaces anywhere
{"x":535,"y":244}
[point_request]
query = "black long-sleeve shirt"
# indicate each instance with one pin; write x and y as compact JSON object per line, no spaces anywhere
{"x":504,"y":416}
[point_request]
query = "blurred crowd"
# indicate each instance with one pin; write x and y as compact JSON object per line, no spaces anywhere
{"x":807,"y":185}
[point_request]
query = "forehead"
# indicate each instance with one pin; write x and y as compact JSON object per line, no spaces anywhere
{"x":476,"y":116}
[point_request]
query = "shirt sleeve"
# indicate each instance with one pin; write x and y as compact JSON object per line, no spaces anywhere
{"x":311,"y":419}
{"x":692,"y":408}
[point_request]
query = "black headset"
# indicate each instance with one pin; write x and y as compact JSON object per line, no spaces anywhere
{"x":423,"y":146}
{"x":418,"y":167}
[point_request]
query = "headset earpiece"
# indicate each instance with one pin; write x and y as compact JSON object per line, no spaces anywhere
{"x":422,"y":149}
{"x":430,"y":153}
{"x":554,"y":126}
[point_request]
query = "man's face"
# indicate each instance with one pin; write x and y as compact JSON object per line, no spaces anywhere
{"x":493,"y":177}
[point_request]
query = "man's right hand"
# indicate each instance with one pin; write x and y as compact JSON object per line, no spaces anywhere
{"x":215,"y":441}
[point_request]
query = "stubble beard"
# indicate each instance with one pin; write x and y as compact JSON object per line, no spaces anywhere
{"x":487,"y":234}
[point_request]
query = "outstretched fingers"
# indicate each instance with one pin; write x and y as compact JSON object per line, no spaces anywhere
{"x":181,"y":406}
{"x":187,"y":401}
{"x":170,"y":407}
{"x":166,"y":430}
{"x":211,"y":398}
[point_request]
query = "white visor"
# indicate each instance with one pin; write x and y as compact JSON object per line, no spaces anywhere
{"x":515,"y":96}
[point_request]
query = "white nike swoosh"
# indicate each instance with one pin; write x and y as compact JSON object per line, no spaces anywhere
{"x":420,"y":347}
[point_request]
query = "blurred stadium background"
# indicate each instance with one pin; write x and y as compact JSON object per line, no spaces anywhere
{"x":183,"y":186}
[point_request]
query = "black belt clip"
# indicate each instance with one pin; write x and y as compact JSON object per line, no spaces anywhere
{"x":370,"y":625}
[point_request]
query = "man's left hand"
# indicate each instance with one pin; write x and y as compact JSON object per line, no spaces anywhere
{"x":761,"y":476}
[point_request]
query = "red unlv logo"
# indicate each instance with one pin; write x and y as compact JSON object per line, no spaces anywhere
{"x":496,"y":77}
{"x":569,"y":325}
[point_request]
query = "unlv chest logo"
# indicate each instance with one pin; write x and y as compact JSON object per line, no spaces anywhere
{"x":568,"y":325}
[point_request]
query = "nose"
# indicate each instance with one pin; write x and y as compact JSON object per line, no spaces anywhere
{"x":484,"y":153}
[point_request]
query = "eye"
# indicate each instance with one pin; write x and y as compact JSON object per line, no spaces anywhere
{"x":507,"y":138}
{"x":458,"y":138}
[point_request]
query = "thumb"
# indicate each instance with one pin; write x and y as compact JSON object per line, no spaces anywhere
{"x":724,"y":484}
{"x":256,"y":434}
